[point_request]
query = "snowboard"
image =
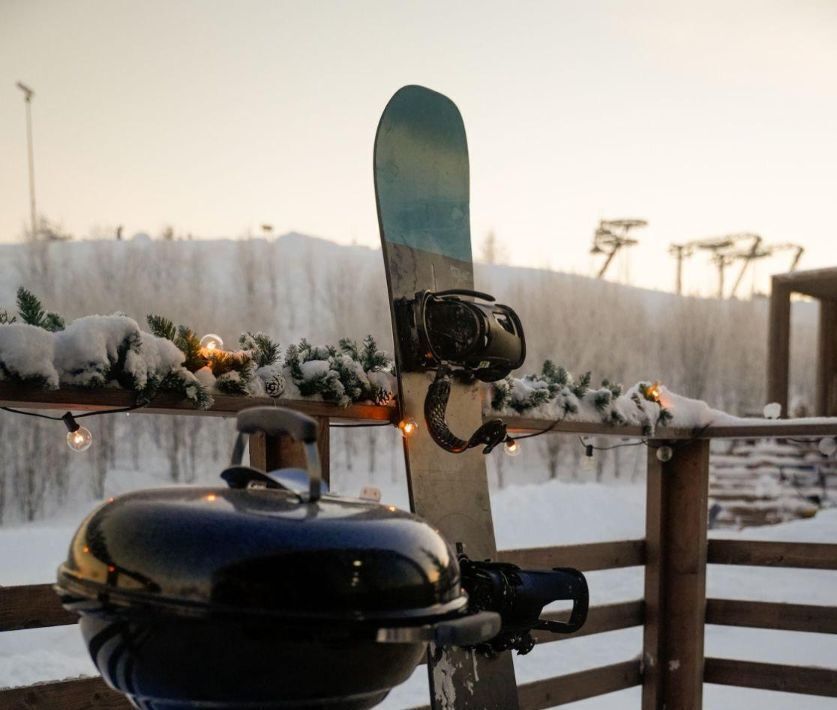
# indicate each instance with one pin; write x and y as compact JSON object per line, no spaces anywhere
{"x":422,"y":195}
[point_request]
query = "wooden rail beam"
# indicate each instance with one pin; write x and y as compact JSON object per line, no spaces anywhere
{"x":809,"y":555}
{"x":587,"y":558}
{"x":32,"y":606}
{"x":79,"y":694}
{"x":80,"y":399}
{"x":772,"y":615}
{"x":675,"y":578}
{"x":578,"y":686}
{"x":601,"y":618}
{"x":772,"y":676}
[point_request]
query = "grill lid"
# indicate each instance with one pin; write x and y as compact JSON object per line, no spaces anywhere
{"x":262,"y":551}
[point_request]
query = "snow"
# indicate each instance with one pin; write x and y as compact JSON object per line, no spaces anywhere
{"x":86,"y":351}
{"x":527,"y":515}
{"x":694,"y":414}
{"x":26,"y":353}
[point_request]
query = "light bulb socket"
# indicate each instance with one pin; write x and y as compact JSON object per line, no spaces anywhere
{"x":70,"y":422}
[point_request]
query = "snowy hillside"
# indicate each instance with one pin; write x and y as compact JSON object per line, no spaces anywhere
{"x":299,"y":286}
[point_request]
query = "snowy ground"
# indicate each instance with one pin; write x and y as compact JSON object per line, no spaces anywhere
{"x":547,"y":514}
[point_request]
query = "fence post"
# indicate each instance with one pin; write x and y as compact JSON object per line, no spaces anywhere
{"x":271,"y":452}
{"x":675,"y":577}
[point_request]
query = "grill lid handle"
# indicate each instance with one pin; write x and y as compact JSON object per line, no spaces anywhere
{"x":275,"y":421}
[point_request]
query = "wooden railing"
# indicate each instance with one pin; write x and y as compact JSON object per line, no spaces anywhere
{"x":675,"y":552}
{"x":772,"y":615}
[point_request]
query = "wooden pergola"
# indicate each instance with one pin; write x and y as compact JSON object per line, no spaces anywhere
{"x":822,"y":285}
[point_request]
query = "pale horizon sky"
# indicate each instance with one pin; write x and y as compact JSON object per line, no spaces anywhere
{"x":216,"y":117}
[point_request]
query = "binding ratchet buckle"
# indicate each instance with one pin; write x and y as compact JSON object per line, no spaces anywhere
{"x":468,"y":339}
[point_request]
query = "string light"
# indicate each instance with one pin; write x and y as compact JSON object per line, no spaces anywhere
{"x":408,"y":426}
{"x":653,"y":392}
{"x":772,"y":410}
{"x":827,"y":446}
{"x":511,"y":447}
{"x":588,"y":463}
{"x":79,"y":438}
{"x":665,"y":454}
{"x":211,"y":342}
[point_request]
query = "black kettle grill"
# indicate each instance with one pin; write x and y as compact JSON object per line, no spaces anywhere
{"x":270,"y":593}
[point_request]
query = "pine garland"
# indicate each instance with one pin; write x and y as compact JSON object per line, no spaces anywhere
{"x":342,"y":374}
{"x":555,"y":387}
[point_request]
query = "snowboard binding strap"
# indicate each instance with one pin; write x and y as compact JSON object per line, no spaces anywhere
{"x":490,"y":434}
{"x":464,"y":329}
{"x":464,"y":333}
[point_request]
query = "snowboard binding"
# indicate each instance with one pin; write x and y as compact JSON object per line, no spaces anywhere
{"x":468,"y":339}
{"x":519,"y":596}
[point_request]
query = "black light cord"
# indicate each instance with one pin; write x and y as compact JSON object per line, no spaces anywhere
{"x":75,"y":416}
{"x":548,"y":429}
{"x":641,"y":442}
{"x":673,"y":444}
{"x":355,"y":426}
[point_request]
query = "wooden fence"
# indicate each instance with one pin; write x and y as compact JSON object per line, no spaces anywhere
{"x":674,"y":552}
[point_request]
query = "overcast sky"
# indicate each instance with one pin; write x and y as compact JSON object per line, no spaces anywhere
{"x":215,"y":117}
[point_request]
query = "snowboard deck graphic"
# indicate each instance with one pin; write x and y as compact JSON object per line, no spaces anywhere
{"x":422,"y":195}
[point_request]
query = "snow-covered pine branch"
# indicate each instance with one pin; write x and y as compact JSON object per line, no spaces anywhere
{"x":554,"y":394}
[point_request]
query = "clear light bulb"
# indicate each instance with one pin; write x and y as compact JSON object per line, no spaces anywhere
{"x":408,"y":426}
{"x":772,"y":410}
{"x":665,"y":453}
{"x":80,"y":439}
{"x":827,"y":446}
{"x":212,"y":342}
{"x":511,"y":447}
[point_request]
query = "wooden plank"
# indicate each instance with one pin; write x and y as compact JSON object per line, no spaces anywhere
{"x":587,"y":558}
{"x":32,"y":606}
{"x":80,"y":399}
{"x":778,"y":343}
{"x":572,"y":687}
{"x":819,"y":283}
{"x":529,"y":424}
{"x":81,"y":694}
{"x":578,"y":686}
{"x":826,"y":405}
{"x":748,"y":429}
{"x":772,"y":676}
{"x":675,"y":578}
{"x":772,"y":615}
{"x":809,"y":555}
{"x":601,"y":618}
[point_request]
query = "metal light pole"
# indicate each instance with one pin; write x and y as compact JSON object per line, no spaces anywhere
{"x":27,"y":98}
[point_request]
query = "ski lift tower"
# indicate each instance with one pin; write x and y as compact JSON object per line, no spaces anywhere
{"x":759,"y":250}
{"x":681,"y":252}
{"x":724,"y":253}
{"x":612,"y":235}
